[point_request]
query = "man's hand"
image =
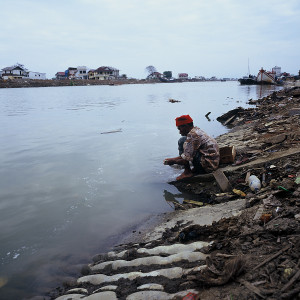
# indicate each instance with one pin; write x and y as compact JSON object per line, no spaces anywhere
{"x":170,"y":161}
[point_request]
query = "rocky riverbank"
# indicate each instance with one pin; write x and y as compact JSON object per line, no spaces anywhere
{"x":24,"y":83}
{"x":225,"y":243}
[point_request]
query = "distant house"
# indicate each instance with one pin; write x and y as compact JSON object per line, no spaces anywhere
{"x":60,"y":75}
{"x":199,"y":77}
{"x":91,"y":74}
{"x":36,"y":75}
{"x":154,"y":75}
{"x":15,"y":72}
{"x":70,"y":72}
{"x":104,"y":73}
{"x":183,"y":76}
{"x":82,"y":72}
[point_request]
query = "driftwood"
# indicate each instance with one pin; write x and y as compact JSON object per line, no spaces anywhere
{"x":252,"y":288}
{"x":113,"y":131}
{"x":272,"y":257}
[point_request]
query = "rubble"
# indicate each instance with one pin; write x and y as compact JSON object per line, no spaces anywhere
{"x":244,"y":246}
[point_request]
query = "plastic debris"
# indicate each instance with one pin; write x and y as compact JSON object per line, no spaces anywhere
{"x":254,"y":183}
{"x":239,"y":192}
{"x":265,"y":217}
{"x":190,"y":296}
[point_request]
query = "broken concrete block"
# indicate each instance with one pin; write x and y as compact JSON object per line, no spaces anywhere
{"x":222,"y":180}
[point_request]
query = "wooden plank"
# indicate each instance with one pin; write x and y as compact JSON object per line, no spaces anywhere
{"x":222,"y":180}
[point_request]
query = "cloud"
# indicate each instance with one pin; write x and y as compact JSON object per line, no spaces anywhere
{"x":215,"y":35}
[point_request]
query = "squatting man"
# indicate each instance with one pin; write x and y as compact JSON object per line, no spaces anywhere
{"x":195,"y":147}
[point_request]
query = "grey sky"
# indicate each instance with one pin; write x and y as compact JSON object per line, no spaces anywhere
{"x":198,"y":37}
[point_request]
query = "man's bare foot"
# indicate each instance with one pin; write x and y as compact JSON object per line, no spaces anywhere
{"x":185,"y":174}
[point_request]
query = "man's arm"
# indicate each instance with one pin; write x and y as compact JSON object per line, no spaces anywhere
{"x":175,"y":161}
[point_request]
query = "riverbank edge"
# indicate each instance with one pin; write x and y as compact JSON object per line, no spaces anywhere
{"x":31,"y":83}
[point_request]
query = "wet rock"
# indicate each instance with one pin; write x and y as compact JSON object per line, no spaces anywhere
{"x":151,"y":286}
{"x":78,"y":291}
{"x":157,"y":295}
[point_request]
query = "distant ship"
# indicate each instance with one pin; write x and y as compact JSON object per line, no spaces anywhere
{"x":248,"y":80}
{"x":264,"y":77}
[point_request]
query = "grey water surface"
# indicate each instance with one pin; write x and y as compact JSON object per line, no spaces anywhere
{"x":81,"y":166}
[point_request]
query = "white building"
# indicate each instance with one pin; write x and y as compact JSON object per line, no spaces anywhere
{"x":82,"y":72}
{"x":15,"y":72}
{"x":276,"y":70}
{"x":37,"y":75}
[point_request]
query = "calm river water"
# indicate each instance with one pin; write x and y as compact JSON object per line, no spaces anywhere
{"x":80,"y":166}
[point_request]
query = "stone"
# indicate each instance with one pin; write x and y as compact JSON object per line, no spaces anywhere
{"x":100,"y":278}
{"x":157,"y":295}
{"x":151,"y":286}
{"x":109,"y":288}
{"x":151,"y":260}
{"x":173,"y":249}
{"x":77,"y":291}
{"x":102,"y":296}
{"x":71,"y":297}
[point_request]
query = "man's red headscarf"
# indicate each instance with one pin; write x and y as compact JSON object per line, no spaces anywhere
{"x":182,"y":120}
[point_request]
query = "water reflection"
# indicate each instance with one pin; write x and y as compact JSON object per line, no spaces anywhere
{"x":261,"y":90}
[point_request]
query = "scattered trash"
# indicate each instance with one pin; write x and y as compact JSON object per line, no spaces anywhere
{"x":284,"y":189}
{"x":190,"y":296}
{"x":259,"y":213}
{"x":207,"y":116}
{"x":239,"y":192}
{"x":287,"y":272}
{"x":173,"y":100}
{"x":254,"y":183}
{"x":113,"y":131}
{"x":198,"y":203}
{"x":265,"y":217}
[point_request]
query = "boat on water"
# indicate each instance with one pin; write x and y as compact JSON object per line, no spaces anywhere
{"x":264,"y":77}
{"x":248,"y":80}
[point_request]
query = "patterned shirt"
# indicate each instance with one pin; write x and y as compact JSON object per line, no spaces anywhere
{"x":198,"y":141}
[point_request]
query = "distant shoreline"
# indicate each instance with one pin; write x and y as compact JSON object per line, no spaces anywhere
{"x":26,"y":83}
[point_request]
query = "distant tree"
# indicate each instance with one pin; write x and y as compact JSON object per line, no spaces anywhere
{"x":124,"y":76}
{"x":150,"y":70}
{"x":168,"y":74}
{"x":20,"y":66}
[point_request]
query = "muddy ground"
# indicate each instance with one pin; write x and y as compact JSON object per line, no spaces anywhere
{"x":266,"y":138}
{"x":254,"y":255}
